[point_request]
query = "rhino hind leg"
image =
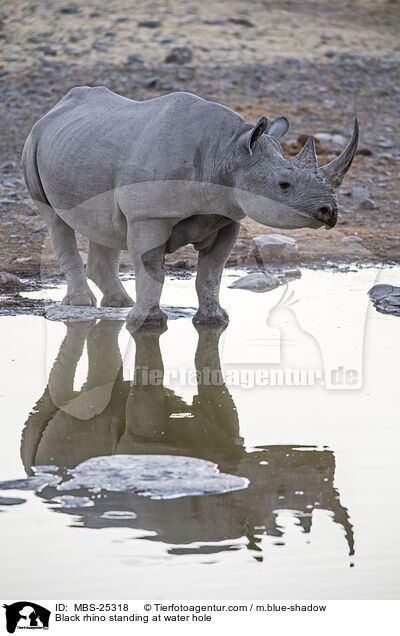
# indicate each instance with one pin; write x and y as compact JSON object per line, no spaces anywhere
{"x":63,"y":241}
{"x":102,"y":269}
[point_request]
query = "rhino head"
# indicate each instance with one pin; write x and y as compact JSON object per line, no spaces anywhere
{"x":287,"y":193}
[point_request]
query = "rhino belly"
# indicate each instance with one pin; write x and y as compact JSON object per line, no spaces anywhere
{"x":105,"y":227}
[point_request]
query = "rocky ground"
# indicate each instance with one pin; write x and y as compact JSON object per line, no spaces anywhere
{"x":319,"y":63}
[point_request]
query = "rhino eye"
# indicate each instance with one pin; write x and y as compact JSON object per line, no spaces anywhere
{"x":284,"y":185}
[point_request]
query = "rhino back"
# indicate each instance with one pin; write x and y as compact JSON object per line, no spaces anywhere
{"x":94,"y":140}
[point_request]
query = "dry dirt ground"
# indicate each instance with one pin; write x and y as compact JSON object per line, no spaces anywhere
{"x":320,"y":63}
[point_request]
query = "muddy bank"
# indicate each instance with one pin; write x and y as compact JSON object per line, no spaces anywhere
{"x":319,"y":65}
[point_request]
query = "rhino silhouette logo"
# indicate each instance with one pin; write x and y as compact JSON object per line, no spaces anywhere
{"x":26,"y":615}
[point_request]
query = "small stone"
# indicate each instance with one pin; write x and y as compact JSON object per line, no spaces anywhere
{"x":149,"y":24}
{"x":9,"y":281}
{"x":134,"y":60}
{"x":368,"y":204}
{"x":330,"y":53}
{"x":70,"y":9}
{"x":241,"y":21}
{"x":351,"y":239}
{"x":151,"y":83}
{"x":47,"y":50}
{"x":179,"y":55}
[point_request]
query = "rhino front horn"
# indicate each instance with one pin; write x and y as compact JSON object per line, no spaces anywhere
{"x":334,"y":172}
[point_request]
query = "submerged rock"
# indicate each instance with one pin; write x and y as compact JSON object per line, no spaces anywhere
{"x":257,"y":282}
{"x":74,"y":313}
{"x":386,"y":299}
{"x":154,"y":476}
{"x":11,"y":501}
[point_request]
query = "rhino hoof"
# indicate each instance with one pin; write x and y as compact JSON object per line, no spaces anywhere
{"x":217,"y":317}
{"x":142,"y":318}
{"x":80,"y":300}
{"x":116,"y":300}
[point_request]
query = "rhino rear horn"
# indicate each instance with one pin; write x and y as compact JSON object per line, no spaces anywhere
{"x":334,"y":172}
{"x":307,"y":157}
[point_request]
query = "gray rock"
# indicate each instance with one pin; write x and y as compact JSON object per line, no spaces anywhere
{"x":179,"y":55}
{"x":386,"y":299}
{"x":368,"y":204}
{"x":11,"y":501}
{"x":258,"y":282}
{"x":9,"y":281}
{"x":154,"y":476}
{"x":336,"y":142}
{"x":134,"y":60}
{"x":351,"y":239}
{"x":76,"y":314}
{"x":70,"y":9}
{"x":149,"y":24}
{"x":241,"y":21}
{"x":151,"y":83}
{"x":273,"y":248}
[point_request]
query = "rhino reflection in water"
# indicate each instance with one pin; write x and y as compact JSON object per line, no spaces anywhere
{"x":110,"y":416}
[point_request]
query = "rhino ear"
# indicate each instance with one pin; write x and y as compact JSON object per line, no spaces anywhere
{"x":255,"y":133}
{"x":278,"y":128}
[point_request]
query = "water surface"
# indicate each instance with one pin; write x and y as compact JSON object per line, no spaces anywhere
{"x":312,"y":452}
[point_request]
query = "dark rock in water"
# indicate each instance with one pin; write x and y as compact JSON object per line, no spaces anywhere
{"x":179,"y":55}
{"x":264,"y":281}
{"x":11,"y":501}
{"x":258,"y":282}
{"x":241,"y":21}
{"x":386,"y":299}
{"x":38,"y":482}
{"x":149,"y":24}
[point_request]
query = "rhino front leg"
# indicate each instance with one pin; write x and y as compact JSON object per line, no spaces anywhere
{"x":102,"y":269}
{"x":63,"y":241}
{"x":147,"y":243}
{"x":209,"y":271}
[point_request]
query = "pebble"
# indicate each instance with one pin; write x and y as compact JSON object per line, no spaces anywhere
{"x":241,"y":22}
{"x":179,"y":55}
{"x":8,"y":280}
{"x":149,"y":24}
{"x":351,"y":239}
{"x":368,"y":204}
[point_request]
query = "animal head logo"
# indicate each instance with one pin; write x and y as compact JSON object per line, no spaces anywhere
{"x":281,"y":312}
{"x":26,"y":615}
